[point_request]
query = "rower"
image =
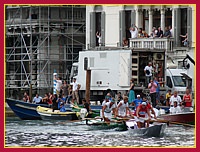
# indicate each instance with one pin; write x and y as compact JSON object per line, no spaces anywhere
{"x":141,"y":113}
{"x":86,"y":105}
{"x":107,"y":99}
{"x":122,"y":108}
{"x":107,"y":110}
{"x":149,"y":106}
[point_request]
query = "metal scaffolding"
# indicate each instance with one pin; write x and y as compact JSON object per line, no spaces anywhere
{"x":39,"y":41}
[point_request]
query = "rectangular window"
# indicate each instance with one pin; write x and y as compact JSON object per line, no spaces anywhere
{"x":98,"y":21}
{"x":168,"y":17}
{"x":146,"y":21}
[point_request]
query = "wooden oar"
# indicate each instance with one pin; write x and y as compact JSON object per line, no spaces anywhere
{"x":92,"y":118}
{"x":106,"y":122}
{"x":123,"y":118}
{"x":171,"y":122}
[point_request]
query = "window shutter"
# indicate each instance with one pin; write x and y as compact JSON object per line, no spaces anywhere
{"x":103,"y":28}
{"x":92,"y":29}
{"x":122,"y":30}
{"x":177,"y":27}
{"x":133,"y":16}
{"x":189,"y":25}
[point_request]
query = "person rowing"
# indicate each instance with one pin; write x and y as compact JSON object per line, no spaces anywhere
{"x":149,"y":106}
{"x":107,"y":99}
{"x":122,"y":108}
{"x":141,"y":114}
{"x":107,"y":110}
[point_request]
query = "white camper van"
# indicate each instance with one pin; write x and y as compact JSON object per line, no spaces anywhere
{"x":176,"y":81}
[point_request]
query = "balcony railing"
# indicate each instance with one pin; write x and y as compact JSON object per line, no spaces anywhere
{"x":152,"y":43}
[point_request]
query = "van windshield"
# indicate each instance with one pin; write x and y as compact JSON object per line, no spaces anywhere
{"x":179,"y":81}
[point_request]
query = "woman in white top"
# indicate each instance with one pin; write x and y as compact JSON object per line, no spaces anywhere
{"x":122,"y":108}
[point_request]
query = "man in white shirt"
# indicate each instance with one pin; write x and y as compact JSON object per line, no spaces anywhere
{"x":148,"y":73}
{"x":37,"y":99}
{"x":175,"y":109}
{"x":75,"y":88}
{"x":58,"y":85}
{"x":175,"y":97}
{"x":134,"y":32}
{"x":170,"y":29}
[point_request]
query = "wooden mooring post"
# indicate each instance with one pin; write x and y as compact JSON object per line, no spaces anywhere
{"x":87,"y":91}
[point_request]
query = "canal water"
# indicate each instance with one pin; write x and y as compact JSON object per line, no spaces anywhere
{"x":39,"y":133}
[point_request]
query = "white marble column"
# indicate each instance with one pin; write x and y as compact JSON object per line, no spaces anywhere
{"x":162,"y":13}
{"x":172,"y":22}
{"x":138,"y":16}
{"x":150,"y":20}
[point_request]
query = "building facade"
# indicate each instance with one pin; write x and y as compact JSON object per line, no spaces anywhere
{"x":113,"y":21}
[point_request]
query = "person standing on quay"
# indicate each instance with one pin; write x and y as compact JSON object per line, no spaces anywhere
{"x":58,"y":85}
{"x":75,"y":88}
{"x":148,"y":73}
{"x":152,"y":86}
{"x":187,"y":99}
{"x":65,"y":89}
{"x":131,"y":96}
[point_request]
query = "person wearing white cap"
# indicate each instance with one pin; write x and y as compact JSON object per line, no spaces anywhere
{"x":149,"y":106}
{"x":140,"y":115}
{"x":107,"y":110}
{"x":137,"y":101}
{"x":122,"y":108}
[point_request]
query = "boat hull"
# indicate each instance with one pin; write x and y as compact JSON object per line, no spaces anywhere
{"x":24,"y":110}
{"x":48,"y":114}
{"x":95,"y":110}
{"x":154,"y":130}
{"x":187,"y":117}
{"x":101,"y":125}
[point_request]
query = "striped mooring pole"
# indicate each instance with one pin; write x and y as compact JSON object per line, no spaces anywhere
{"x":54,"y":81}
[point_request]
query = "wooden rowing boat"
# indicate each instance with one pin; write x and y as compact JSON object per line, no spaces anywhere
{"x":154,"y":130}
{"x":24,"y":110}
{"x":49,"y":114}
{"x":185,"y":117}
{"x":121,"y":124}
{"x":94,"y":113}
{"x":27,"y":111}
{"x":98,"y":124}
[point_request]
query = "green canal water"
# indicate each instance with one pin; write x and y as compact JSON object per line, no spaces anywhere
{"x":39,"y":133}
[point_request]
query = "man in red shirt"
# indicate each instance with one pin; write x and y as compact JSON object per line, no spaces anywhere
{"x":140,"y":115}
{"x":187,"y":99}
{"x":149,"y":106}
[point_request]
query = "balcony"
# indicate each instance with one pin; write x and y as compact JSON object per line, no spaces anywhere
{"x":152,"y":43}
